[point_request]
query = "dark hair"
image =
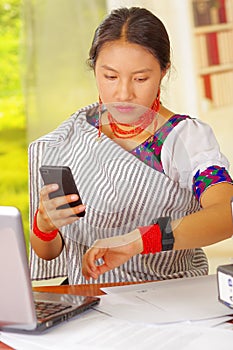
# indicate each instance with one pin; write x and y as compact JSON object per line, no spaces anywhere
{"x":135,"y":25}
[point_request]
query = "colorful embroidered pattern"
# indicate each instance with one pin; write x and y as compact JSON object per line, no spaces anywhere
{"x":149,"y":152}
{"x":210,"y":176}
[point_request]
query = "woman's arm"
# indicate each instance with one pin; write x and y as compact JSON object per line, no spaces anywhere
{"x":213,"y":223}
{"x":47,"y":250}
{"x":210,"y":225}
{"x":50,"y":218}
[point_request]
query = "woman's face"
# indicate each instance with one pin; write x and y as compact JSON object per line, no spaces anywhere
{"x":127,"y":72}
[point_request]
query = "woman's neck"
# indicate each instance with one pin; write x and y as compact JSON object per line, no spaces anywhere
{"x":132,"y":142}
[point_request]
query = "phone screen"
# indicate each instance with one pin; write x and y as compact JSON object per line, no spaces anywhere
{"x":62,"y":176}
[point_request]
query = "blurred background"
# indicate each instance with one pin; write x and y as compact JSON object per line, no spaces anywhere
{"x":13,"y":134}
{"x":44,"y":77}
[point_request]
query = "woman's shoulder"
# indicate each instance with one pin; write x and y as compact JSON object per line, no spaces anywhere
{"x":172,"y":125}
{"x":192,"y":132}
{"x":190,"y":126}
{"x":191,"y":146}
{"x":186,"y":125}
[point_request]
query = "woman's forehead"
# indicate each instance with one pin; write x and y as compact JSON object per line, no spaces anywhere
{"x":123,"y":52}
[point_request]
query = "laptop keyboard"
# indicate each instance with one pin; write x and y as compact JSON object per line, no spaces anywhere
{"x":45,"y":309}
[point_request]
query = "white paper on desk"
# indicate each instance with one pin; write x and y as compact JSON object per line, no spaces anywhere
{"x":100,"y":332}
{"x":187,"y":299}
{"x":212,"y":322}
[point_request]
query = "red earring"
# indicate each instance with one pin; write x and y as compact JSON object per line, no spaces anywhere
{"x":156,"y":103}
{"x":100,"y":124}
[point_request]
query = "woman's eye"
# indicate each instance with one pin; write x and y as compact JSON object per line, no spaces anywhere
{"x":110,"y":77}
{"x":140,"y":79}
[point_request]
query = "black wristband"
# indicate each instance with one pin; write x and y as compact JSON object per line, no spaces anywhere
{"x":167,"y":234}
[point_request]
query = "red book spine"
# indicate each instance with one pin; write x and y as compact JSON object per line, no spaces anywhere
{"x":207,"y":86}
{"x":222,"y":11}
{"x":212,"y":48}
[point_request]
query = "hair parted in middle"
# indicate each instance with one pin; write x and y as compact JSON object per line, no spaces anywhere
{"x":134,"y":25}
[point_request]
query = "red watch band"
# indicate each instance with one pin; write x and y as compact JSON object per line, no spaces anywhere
{"x":43,"y":235}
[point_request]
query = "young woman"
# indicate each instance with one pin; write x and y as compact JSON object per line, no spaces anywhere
{"x":155,"y":185}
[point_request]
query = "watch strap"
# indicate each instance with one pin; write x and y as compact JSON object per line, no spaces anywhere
{"x":167,"y":233}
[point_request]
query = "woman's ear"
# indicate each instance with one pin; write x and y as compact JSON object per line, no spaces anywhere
{"x":164,"y":71}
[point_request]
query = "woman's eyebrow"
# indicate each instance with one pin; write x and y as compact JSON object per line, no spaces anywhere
{"x":109,"y":68}
{"x":143,"y":70}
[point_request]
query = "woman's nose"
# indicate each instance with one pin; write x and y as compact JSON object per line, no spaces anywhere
{"x":124,"y":91}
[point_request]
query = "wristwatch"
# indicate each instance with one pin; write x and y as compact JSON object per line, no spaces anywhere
{"x":167,"y":234}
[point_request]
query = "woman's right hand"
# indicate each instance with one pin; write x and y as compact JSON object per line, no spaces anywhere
{"x":49,"y":217}
{"x":114,"y":251}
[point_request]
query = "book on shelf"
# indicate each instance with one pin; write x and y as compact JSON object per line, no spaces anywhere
{"x":217,"y":88}
{"x":201,"y":51}
{"x":225,"y":48}
{"x":207,"y":86}
{"x":222,"y":11}
{"x":201,"y":12}
{"x":229,"y":10}
{"x":222,"y":88}
{"x":209,"y":12}
{"x":212,"y":48}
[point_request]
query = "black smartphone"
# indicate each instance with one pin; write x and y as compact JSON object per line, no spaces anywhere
{"x":62,"y":176}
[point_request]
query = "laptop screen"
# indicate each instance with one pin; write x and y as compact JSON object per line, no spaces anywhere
{"x":16,"y":299}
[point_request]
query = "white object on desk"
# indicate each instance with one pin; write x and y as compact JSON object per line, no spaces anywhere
{"x":186,"y":299}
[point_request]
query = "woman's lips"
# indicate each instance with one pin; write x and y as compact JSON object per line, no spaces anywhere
{"x":126,"y":112}
{"x":124,"y":109}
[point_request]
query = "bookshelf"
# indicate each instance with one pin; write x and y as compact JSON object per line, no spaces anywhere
{"x":213,"y":37}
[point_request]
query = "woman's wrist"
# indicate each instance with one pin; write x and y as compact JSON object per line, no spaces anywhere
{"x":44,"y":236}
{"x":135,"y":239}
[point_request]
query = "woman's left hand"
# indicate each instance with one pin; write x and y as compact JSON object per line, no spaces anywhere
{"x":114,"y":251}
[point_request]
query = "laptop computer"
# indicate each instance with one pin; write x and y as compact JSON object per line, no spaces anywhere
{"x":22,"y":309}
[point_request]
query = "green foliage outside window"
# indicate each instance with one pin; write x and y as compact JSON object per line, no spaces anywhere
{"x":13,"y":138}
{"x":14,"y":127}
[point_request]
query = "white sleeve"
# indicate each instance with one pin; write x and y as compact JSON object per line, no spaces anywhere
{"x":190,"y":146}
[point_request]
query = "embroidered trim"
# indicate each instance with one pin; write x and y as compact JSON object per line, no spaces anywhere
{"x":149,"y":152}
{"x":210,"y":176}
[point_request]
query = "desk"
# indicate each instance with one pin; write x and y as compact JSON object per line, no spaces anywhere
{"x":82,"y":289}
{"x":200,"y":337}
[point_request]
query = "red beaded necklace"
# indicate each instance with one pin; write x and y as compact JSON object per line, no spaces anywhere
{"x":135,"y":128}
